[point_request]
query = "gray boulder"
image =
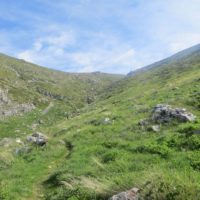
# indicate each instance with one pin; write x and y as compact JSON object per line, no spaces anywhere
{"x":162,"y":113}
{"x":38,"y":138}
{"x":132,"y":194}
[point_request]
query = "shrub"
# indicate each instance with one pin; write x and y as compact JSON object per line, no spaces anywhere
{"x":187,"y":139}
{"x":189,"y":130}
{"x":4,"y":194}
{"x":194,"y":159}
{"x":161,"y":150}
{"x":110,"y":144}
{"x":161,"y":188}
{"x":110,"y":156}
{"x":73,"y":194}
{"x":195,"y":99}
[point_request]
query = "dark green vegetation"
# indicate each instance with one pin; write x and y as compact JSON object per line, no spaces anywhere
{"x":100,"y":150}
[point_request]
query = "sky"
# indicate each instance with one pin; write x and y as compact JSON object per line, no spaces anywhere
{"x":113,"y":36}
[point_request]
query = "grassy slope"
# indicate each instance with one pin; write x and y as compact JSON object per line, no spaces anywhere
{"x":105,"y":158}
{"x":65,"y":92}
{"x":87,"y":159}
{"x":29,"y":82}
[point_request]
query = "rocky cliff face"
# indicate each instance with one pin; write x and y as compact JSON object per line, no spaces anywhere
{"x":10,"y":108}
{"x":4,"y":97}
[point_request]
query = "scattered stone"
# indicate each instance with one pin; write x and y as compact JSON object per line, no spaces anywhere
{"x":22,"y":150}
{"x":38,"y":138}
{"x":89,"y":100}
{"x":34,"y":126}
{"x":143,"y":122}
{"x":154,"y":128}
{"x":132,"y":194}
{"x":106,"y":120}
{"x":164,"y":113}
{"x":18,"y":140}
{"x":40,"y":121}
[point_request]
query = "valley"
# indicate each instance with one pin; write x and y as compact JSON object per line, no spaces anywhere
{"x":95,"y":135}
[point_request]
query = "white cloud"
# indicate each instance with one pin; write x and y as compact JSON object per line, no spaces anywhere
{"x":111,"y":36}
{"x":116,"y":61}
{"x":62,"y":39}
{"x":48,"y":47}
{"x":27,"y":55}
{"x":117,"y":57}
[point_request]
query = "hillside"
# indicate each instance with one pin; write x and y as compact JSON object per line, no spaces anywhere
{"x":25,"y":86}
{"x":113,"y":144}
{"x":36,"y":82}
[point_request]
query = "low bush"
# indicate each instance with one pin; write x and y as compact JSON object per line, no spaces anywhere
{"x":194,"y":159}
{"x":161,"y":188}
{"x":161,"y":150}
{"x":182,"y":142}
{"x":110,"y":156}
{"x":189,"y":130}
{"x":62,"y":193}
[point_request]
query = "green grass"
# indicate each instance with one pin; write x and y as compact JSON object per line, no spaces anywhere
{"x":30,"y":83}
{"x":87,"y":158}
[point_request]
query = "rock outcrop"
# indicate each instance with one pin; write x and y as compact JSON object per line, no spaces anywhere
{"x":16,"y":109}
{"x":162,"y":113}
{"x":132,"y":194}
{"x":10,"y":108}
{"x":4,"y":97}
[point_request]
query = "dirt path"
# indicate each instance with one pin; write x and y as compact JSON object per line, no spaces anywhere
{"x":38,"y":190}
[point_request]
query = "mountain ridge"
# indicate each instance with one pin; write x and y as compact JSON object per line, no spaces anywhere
{"x":173,"y":58}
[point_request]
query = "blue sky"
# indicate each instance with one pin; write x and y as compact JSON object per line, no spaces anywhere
{"x":114,"y":36}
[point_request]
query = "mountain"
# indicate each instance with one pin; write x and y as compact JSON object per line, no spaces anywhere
{"x":172,"y":60}
{"x":25,"y":86}
{"x":140,"y":131}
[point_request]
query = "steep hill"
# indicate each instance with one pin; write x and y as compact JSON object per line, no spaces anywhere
{"x":118,"y":142}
